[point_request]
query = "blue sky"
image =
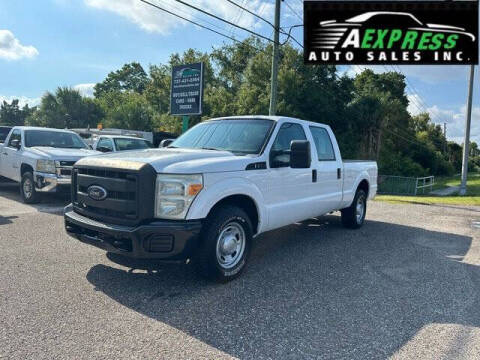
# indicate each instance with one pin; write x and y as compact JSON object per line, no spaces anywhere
{"x":50,"y":43}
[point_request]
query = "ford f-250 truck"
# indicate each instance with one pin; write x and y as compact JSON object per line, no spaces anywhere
{"x":206,"y":195}
{"x":40,"y":159}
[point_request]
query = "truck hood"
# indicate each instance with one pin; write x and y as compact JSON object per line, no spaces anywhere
{"x":171,"y":160}
{"x":62,"y":154}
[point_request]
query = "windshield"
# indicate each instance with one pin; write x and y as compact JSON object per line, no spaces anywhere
{"x":123,"y":144}
{"x":235,"y":135}
{"x":54,"y":139}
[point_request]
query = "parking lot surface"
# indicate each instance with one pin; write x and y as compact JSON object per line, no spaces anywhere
{"x":405,"y":286}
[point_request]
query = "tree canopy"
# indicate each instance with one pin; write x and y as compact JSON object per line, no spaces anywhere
{"x":368,"y":112}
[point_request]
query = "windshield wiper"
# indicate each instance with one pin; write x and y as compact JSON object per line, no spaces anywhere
{"x":211,"y":148}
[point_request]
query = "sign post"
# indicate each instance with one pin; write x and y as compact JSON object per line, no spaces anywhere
{"x":186,"y":92}
{"x":185,"y":120}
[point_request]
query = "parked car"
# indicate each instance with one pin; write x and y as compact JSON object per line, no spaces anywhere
{"x":4,"y":130}
{"x":213,"y":189}
{"x":40,"y":159}
{"x":114,"y":143}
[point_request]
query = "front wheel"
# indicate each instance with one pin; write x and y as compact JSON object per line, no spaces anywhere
{"x":27,"y":189}
{"x":353,"y":217}
{"x":225,"y":244}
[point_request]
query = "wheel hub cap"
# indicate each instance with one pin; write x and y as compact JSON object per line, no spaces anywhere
{"x":360,"y":209}
{"x":230,"y":245}
{"x":27,"y":188}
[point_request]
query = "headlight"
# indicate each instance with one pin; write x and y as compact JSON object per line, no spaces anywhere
{"x":175,"y":194}
{"x":46,"y":166}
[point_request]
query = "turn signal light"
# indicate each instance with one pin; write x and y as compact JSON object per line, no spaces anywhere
{"x":194,"y":189}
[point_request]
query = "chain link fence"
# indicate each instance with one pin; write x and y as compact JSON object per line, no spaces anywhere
{"x":402,"y":185}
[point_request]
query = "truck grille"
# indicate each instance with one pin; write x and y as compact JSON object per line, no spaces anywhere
{"x":129,"y":194}
{"x":64,"y":168}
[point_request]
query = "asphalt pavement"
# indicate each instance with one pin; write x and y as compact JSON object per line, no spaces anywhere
{"x":404,"y":286}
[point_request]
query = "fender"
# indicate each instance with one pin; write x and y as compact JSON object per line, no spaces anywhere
{"x":348,"y":196}
{"x":212,"y":194}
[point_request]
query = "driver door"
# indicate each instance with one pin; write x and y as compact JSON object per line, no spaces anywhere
{"x":11,"y":156}
{"x":291,"y":190}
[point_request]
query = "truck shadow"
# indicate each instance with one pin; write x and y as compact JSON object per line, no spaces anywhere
{"x":314,"y":290}
{"x":50,"y":203}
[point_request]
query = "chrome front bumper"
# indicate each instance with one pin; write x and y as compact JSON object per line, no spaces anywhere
{"x":46,"y":182}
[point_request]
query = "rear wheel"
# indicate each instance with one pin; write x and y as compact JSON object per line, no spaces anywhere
{"x":225,"y":244}
{"x":27,"y":189}
{"x":353,"y":217}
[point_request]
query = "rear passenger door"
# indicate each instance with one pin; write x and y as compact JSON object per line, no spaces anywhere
{"x":328,"y":169}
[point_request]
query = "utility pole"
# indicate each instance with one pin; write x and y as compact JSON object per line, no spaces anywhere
{"x":273,"y":81}
{"x":466,"y":142}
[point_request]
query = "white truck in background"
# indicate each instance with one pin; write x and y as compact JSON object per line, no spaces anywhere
{"x":40,"y":159}
{"x":206,"y":195}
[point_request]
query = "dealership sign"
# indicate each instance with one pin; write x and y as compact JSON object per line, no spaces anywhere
{"x":186,"y":94}
{"x":391,"y":32}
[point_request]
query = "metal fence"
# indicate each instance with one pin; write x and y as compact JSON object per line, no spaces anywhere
{"x":402,"y":185}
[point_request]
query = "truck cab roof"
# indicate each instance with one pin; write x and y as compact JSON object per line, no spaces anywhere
{"x":41,"y":129}
{"x":268,"y":117}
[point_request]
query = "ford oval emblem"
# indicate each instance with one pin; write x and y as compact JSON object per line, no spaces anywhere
{"x":96,"y":192}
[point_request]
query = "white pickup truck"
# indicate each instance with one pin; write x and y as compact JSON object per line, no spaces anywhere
{"x":40,"y":159}
{"x":206,"y":195}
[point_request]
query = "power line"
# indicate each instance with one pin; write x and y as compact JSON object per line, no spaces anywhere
{"x":197,"y":17}
{"x":250,"y":12}
{"x":292,"y":10}
{"x":237,"y":18}
{"x":221,"y":19}
{"x":198,"y":24}
{"x":290,"y":36}
{"x":404,"y":132}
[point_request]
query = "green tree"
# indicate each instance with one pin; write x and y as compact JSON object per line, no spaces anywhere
{"x":66,"y":108}
{"x":12,"y":115}
{"x":127,"y":111}
{"x":131,"y":77}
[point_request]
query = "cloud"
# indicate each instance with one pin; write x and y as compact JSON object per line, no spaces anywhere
{"x":156,"y":21}
{"x":415,"y":104}
{"x":85,"y":89}
{"x":455,"y":119}
{"x":22,"y":100}
{"x":12,"y":49}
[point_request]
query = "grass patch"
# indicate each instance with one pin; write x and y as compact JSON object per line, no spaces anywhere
{"x":429,"y":200}
{"x":472,"y":197}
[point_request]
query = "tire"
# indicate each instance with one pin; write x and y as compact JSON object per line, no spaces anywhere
{"x":353,"y":217}
{"x":225,"y":244}
{"x":27,"y":189}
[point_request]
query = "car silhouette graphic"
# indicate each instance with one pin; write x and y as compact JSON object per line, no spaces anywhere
{"x":187,"y":72}
{"x":330,"y":32}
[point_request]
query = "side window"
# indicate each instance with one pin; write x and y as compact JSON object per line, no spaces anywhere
{"x":322,"y":143}
{"x":16,"y":135}
{"x":106,"y":143}
{"x":280,"y":153}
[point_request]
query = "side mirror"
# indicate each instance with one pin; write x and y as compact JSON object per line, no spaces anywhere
{"x":103,"y":149}
{"x":166,"y":142}
{"x":16,"y":144}
{"x":300,"y":156}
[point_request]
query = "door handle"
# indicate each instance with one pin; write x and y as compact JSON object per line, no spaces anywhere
{"x":314,"y":175}
{"x":339,"y":173}
{"x":5,"y":154}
